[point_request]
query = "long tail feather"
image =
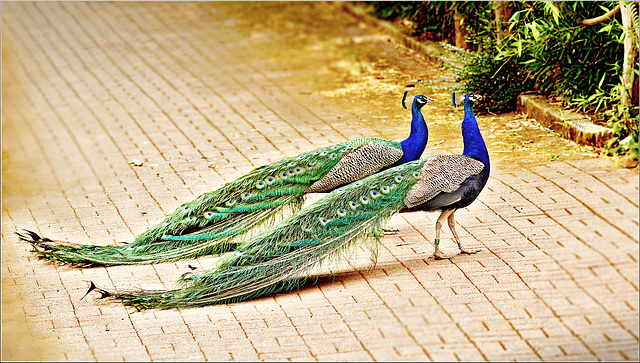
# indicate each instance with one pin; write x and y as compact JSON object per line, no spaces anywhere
{"x":282,"y":257}
{"x":216,"y":222}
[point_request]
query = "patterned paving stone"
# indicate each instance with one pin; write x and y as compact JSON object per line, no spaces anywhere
{"x":182,"y":87}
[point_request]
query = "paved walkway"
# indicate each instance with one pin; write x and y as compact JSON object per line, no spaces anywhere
{"x":89,"y":87}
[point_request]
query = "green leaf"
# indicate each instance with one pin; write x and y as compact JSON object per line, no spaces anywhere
{"x":627,"y":141}
{"x":602,"y":80}
{"x":514,"y":19}
{"x":549,"y":7}
{"x":606,"y":28}
{"x":534,"y":30}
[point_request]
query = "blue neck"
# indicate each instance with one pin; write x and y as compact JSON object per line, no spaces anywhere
{"x":414,"y":145}
{"x":474,"y":145}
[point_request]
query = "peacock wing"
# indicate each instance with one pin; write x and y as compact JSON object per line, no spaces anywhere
{"x":441,"y":174}
{"x":362,"y":162}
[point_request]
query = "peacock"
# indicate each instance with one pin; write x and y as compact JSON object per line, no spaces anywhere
{"x":217,"y":221}
{"x":279,"y":259}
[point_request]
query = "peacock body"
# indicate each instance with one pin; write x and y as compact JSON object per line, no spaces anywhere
{"x":281,"y":258}
{"x":217,"y":221}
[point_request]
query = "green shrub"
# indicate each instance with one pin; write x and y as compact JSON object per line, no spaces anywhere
{"x":499,"y":81}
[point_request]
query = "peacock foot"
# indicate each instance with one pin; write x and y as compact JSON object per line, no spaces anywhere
{"x":465,"y":251}
{"x":438,"y":255}
{"x":390,"y":231}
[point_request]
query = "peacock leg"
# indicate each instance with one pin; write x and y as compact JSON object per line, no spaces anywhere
{"x":452,"y":226}
{"x":437,"y":254}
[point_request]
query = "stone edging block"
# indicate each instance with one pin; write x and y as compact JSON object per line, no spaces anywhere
{"x":569,"y":124}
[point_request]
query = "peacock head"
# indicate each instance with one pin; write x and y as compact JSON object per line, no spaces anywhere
{"x":469,"y":97}
{"x":419,"y":101}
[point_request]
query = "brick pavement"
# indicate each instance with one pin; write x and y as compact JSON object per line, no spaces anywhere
{"x":89,"y":87}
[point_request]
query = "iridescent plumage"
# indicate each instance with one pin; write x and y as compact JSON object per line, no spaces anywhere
{"x":218,"y":221}
{"x":282,"y":257}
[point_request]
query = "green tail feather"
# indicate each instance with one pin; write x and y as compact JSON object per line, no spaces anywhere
{"x":281,"y":258}
{"x":216,"y":222}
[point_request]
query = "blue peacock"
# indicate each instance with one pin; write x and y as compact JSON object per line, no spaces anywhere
{"x":278,"y":259}
{"x":217,"y":221}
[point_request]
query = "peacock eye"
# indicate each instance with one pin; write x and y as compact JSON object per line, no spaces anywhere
{"x":353,"y":205}
{"x":364,"y":200}
{"x":246,"y":196}
{"x":208,"y":215}
{"x":398,"y":179}
{"x":299,"y":170}
{"x":341,"y":212}
{"x":385,"y":190}
{"x":260,"y":184}
{"x":230,"y":203}
{"x":292,"y":164}
{"x":324,"y":153}
{"x":270,"y":180}
{"x":416,"y":175}
{"x":332,"y":156}
{"x":323,"y":221}
{"x":374,"y":194}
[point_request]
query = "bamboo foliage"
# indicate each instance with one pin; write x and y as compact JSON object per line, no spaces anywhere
{"x":582,"y":53}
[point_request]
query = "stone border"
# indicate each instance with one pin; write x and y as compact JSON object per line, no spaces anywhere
{"x":570,"y":125}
